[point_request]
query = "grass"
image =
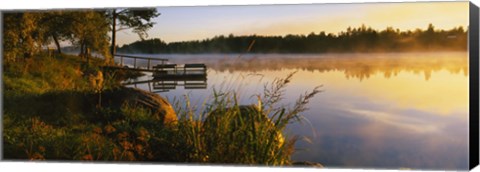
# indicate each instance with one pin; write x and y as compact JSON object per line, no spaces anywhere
{"x":51,"y":112}
{"x":252,"y":132}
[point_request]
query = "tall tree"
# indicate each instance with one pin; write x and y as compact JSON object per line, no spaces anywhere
{"x":90,"y":32}
{"x":21,"y":34}
{"x":58,"y":26}
{"x":140,"y":20}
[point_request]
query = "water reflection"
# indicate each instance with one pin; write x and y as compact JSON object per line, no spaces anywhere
{"x":359,"y":66}
{"x":377,"y":110}
{"x":164,"y":85}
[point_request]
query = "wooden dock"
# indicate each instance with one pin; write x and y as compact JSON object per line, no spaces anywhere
{"x":159,"y":67}
{"x":165,"y":76}
{"x":174,"y":71}
{"x":143,"y":64}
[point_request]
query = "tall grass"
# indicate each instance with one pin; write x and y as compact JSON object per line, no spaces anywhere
{"x":227,"y":132}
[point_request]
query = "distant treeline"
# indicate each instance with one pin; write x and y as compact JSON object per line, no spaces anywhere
{"x":361,"y":39}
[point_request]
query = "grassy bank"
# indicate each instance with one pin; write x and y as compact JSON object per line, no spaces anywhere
{"x":54,"y":110}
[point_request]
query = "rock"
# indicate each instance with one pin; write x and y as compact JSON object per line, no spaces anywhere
{"x":307,"y":164}
{"x":160,"y":107}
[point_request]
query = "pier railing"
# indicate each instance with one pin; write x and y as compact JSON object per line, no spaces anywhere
{"x":149,"y":67}
{"x":165,"y":76}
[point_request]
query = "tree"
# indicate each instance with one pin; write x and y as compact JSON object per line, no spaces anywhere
{"x":90,"y":32}
{"x":137,"y":19}
{"x":58,"y":26}
{"x":22,"y":37}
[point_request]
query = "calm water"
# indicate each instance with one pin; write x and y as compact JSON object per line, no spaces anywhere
{"x":390,"y":110}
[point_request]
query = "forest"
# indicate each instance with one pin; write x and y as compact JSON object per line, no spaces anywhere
{"x":26,"y":34}
{"x":353,"y":39}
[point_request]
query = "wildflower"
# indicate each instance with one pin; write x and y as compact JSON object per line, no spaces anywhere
{"x":97,"y":130}
{"x":126,"y":145}
{"x":109,"y":129}
{"x":130,"y":156}
{"x":41,"y":148}
{"x":87,"y":157}
{"x":139,"y":149}
{"x":150,"y":155}
{"x":116,"y":150}
{"x":122,"y":135}
{"x":116,"y":153}
{"x":37,"y":156}
{"x":143,"y":135}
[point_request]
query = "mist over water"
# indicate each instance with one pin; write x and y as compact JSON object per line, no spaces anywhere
{"x":377,"y":110}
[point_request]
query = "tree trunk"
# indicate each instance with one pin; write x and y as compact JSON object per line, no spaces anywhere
{"x":114,"y":24}
{"x":82,"y":49}
{"x":87,"y":54}
{"x":54,"y":36}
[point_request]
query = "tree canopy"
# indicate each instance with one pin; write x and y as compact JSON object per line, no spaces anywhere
{"x":359,"y":39}
{"x":26,"y":33}
{"x":91,"y":33}
{"x":21,"y":37}
{"x":139,"y":20}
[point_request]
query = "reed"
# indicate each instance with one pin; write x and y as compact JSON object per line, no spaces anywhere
{"x":227,"y":132}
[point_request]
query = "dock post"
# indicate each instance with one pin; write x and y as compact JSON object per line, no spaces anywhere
{"x":148,"y":65}
{"x":134,"y":63}
{"x":121,"y":61}
{"x":149,"y":87}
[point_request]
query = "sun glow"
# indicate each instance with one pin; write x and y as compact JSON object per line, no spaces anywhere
{"x":196,"y":23}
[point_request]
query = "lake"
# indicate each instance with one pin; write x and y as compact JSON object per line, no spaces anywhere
{"x":377,"y":110}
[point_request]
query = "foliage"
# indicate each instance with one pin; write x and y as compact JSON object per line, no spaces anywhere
{"x":58,"y":26}
{"x":21,"y":36}
{"x":43,"y":73}
{"x":361,"y":39}
{"x":50,"y":113}
{"x":91,"y":32}
{"x":137,"y":19}
{"x":27,"y":33}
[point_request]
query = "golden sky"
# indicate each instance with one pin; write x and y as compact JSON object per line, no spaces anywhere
{"x":201,"y":22}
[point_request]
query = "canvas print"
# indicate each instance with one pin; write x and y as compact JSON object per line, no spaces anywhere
{"x":360,"y":85}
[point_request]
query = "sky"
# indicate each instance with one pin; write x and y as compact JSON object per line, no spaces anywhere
{"x":202,"y":22}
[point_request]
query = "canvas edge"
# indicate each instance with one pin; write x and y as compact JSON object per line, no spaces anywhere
{"x":1,"y":85}
{"x":474,"y":85}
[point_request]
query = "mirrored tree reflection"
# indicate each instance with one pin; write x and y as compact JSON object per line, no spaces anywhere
{"x":356,"y":66}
